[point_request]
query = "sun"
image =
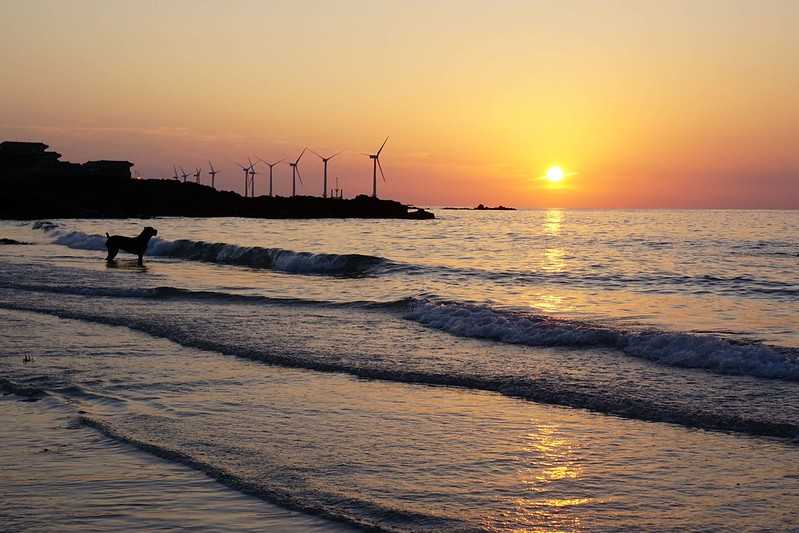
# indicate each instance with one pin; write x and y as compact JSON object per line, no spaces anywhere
{"x":555,"y":174}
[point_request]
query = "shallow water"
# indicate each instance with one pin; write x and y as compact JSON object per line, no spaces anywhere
{"x":423,"y":376}
{"x":58,"y":476}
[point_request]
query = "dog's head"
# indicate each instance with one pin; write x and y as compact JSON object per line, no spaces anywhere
{"x":149,"y":232}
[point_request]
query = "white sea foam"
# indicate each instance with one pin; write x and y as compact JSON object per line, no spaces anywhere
{"x":251,"y":256}
{"x":80,"y":240}
{"x":685,"y":350}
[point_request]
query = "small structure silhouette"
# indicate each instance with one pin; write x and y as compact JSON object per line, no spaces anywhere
{"x":33,"y":160}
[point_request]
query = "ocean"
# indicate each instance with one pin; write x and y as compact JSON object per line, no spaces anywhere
{"x":531,"y":370}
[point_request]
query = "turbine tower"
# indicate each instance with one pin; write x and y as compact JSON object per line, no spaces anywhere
{"x":271,"y":166}
{"x":246,"y":178}
{"x":295,"y":173}
{"x":197,"y":175}
{"x":376,"y":165}
{"x":184,"y":174}
{"x":212,"y":173}
{"x":252,"y":177}
{"x":324,"y":161}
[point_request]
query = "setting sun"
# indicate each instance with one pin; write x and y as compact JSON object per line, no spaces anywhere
{"x":555,"y":174}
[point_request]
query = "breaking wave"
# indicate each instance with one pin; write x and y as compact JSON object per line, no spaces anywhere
{"x":538,"y":388}
{"x":355,"y":265}
{"x":247,"y":256}
{"x":678,"y":349}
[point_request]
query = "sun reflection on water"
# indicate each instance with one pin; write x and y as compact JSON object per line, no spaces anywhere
{"x":554,"y":260}
{"x":550,"y":303}
{"x":553,"y":465}
{"x":552,"y":222}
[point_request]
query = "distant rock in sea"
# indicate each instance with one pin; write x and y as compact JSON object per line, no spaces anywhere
{"x":482,"y":207}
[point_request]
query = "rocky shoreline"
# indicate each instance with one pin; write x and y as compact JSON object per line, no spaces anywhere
{"x":34,"y":183}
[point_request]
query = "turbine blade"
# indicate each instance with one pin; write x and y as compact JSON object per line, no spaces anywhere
{"x":382,"y":145}
{"x":299,"y":176}
{"x":316,"y":154}
{"x":381,"y":169}
{"x":301,"y":154}
{"x":334,"y":155}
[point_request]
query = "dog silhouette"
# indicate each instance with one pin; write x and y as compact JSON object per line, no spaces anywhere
{"x":134,"y":245}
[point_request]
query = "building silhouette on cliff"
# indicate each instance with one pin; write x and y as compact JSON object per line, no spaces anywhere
{"x":33,"y":161}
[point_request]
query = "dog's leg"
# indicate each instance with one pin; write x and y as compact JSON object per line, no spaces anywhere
{"x":112,"y":253}
{"x":141,"y":260}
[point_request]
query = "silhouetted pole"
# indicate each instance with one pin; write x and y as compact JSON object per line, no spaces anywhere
{"x":324,"y":185}
{"x":374,"y":177}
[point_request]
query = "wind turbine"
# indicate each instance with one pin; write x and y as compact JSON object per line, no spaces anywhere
{"x":213,"y":174}
{"x":197,"y":175}
{"x":270,"y":165}
{"x":375,"y":165}
{"x":252,"y":177}
{"x":184,"y":174}
{"x":324,"y":161}
{"x":295,"y":173}
{"x":246,"y":177}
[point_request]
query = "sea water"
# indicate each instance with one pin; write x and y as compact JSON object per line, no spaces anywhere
{"x":500,"y":371}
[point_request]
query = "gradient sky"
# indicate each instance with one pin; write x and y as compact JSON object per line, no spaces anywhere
{"x":645,"y":103}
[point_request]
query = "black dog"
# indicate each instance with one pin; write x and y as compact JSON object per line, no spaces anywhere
{"x":134,"y":245}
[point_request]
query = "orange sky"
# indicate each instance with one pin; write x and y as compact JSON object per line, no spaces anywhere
{"x":646,"y":103}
